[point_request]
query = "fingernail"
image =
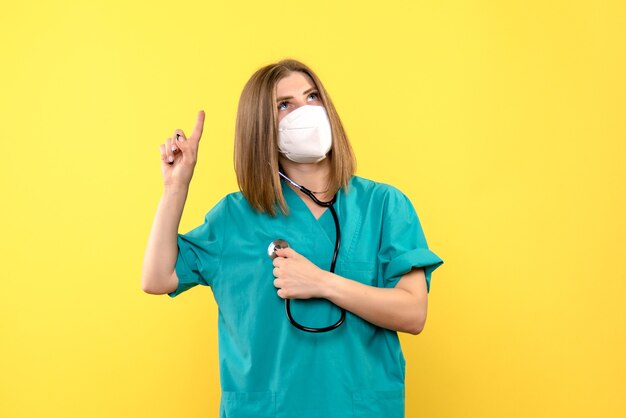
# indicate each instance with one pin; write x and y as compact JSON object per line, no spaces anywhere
{"x":174,"y":149}
{"x":170,"y":159}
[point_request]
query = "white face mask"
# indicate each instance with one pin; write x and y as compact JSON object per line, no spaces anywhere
{"x":304,"y":135}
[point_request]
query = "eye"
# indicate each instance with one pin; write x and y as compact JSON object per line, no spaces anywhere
{"x":314,"y":94}
{"x":281,"y":104}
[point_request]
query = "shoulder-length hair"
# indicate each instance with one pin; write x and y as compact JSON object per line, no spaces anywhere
{"x":256,"y":139}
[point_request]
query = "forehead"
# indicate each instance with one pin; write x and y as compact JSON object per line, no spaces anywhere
{"x":295,"y":82}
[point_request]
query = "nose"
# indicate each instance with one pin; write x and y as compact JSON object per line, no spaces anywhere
{"x":295,"y":104}
{"x":298,"y":103}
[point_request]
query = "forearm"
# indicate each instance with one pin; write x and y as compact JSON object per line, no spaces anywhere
{"x":162,"y":249}
{"x":391,"y":308}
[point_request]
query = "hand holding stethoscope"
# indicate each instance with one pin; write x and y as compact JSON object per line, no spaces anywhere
{"x":179,"y":155}
{"x":296,"y":276}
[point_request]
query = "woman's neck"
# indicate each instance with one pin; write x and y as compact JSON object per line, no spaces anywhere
{"x":312,"y":176}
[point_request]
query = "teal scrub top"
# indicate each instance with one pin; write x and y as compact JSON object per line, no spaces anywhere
{"x":269,"y":368}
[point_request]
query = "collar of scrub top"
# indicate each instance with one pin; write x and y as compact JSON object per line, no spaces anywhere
{"x":309,"y":193}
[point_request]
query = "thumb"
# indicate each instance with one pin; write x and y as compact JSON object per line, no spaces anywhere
{"x":287,"y":252}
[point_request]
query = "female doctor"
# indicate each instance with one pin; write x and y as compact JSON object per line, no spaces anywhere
{"x":333,"y":350}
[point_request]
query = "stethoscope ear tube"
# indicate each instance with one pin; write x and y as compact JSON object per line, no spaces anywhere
{"x":330,"y":206}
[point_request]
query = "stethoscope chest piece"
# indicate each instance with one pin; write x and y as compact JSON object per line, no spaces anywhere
{"x":277,"y":244}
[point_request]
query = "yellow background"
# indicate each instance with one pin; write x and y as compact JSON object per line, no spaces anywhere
{"x":504,"y":122}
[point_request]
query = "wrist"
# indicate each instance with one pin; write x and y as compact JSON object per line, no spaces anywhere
{"x":328,"y":284}
{"x":175,"y":189}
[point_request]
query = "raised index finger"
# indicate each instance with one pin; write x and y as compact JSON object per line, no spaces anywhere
{"x":197,"y":130}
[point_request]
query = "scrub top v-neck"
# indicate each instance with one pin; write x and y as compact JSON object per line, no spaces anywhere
{"x":269,"y":368}
{"x":325,"y":222}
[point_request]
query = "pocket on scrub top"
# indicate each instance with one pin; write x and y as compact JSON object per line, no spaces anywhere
{"x":249,"y":404}
{"x":378,"y":403}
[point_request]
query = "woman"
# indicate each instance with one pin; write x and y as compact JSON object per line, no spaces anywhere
{"x":288,"y":134}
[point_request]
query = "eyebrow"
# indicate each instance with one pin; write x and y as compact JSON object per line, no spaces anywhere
{"x":291,"y":97}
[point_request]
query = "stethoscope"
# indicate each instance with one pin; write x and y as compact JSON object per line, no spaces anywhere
{"x":280,"y":243}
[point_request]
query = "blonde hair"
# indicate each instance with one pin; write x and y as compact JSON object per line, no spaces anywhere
{"x":256,"y":139}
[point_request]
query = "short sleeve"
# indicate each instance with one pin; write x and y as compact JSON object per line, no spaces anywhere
{"x":403,"y":244}
{"x":199,"y":251}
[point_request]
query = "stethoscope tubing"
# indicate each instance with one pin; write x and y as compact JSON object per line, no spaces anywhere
{"x":330,"y":206}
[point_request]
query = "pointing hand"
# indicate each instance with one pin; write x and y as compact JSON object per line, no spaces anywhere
{"x":179,"y":155}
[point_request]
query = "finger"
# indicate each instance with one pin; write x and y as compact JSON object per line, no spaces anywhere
{"x":179,"y":136}
{"x":197,"y":130}
{"x":276,"y":272}
{"x":169,"y":157}
{"x":281,"y":293}
{"x":177,"y":139}
{"x":162,"y":151}
{"x":278,"y":283}
{"x":277,"y":262}
{"x":286,"y":252}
